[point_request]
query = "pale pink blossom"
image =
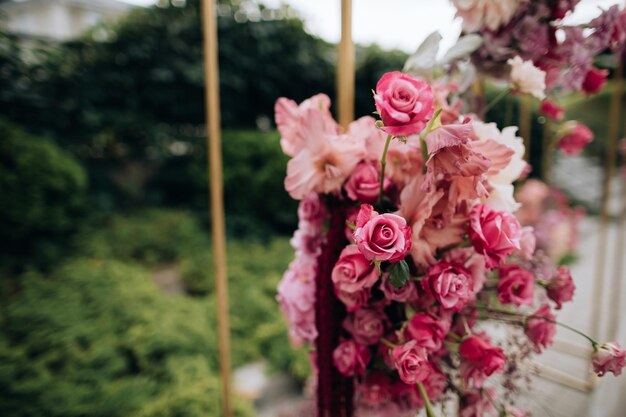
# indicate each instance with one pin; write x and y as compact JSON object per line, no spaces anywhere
{"x":325,"y":160}
{"x":296,"y":295}
{"x":485,"y":14}
{"x":527,"y":78}
{"x":366,"y":325}
{"x":290,"y":116}
{"x":528,"y":243}
{"x":351,"y":358}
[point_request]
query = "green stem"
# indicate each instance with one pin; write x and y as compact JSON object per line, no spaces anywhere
{"x":496,"y":99}
{"x":426,"y":131}
{"x":430,"y":412}
{"x":387,"y":343}
{"x":383,"y":164}
{"x":532,"y":316}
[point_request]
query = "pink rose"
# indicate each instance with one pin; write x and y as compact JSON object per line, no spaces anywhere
{"x":367,"y":325}
{"x":353,"y":272}
{"x":353,"y":300}
{"x":404,"y":294}
{"x":450,"y":284}
{"x":576,"y":136}
{"x":311,"y":210}
{"x":411,"y":362}
{"x":479,"y":359}
{"x":381,"y":237}
{"x":552,"y":110}
{"x":561,"y":287}
{"x":540,"y":330}
{"x":435,"y":384}
{"x":404,"y":103}
{"x":473,"y":262}
{"x":594,"y":80}
{"x":307,"y":242}
{"x":516,"y":285}
{"x":374,"y":391}
{"x":495,"y":234}
{"x":351,"y":358}
{"x":609,"y":357}
{"x":364,"y":183}
{"x":427,"y":330}
{"x":477,"y":403}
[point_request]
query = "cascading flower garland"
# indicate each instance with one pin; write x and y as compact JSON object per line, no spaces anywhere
{"x":408,"y":248}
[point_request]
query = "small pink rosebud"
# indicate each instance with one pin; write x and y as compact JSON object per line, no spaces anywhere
{"x":609,"y":357}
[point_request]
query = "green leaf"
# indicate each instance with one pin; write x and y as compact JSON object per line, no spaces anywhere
{"x":399,"y":273}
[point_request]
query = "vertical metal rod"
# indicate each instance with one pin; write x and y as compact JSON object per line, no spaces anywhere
{"x":609,"y":171}
{"x":620,"y":244}
{"x":214,"y":149}
{"x":525,"y":123}
{"x":345,"y":67}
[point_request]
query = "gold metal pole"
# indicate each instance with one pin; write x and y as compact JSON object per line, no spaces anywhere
{"x":525,"y":123}
{"x":345,"y":67}
{"x":609,"y":171}
{"x":214,"y":149}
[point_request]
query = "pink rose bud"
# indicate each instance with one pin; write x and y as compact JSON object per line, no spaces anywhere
{"x":561,"y":287}
{"x":541,"y":331}
{"x":351,"y":358}
{"x":411,"y":362}
{"x":495,"y":234}
{"x":367,"y":325}
{"x":381,"y":237}
{"x":311,"y":209}
{"x":364,"y":183}
{"x":450,"y":284}
{"x":576,"y":136}
{"x":516,"y":285}
{"x":428,"y":331}
{"x":552,"y":110}
{"x":404,"y":294}
{"x":479,"y":359}
{"x":609,"y":357}
{"x":352,"y":271}
{"x":353,"y":300}
{"x":404,"y":103}
{"x":594,"y":80}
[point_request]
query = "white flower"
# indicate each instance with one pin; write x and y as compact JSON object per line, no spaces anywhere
{"x":506,"y":152}
{"x":527,"y":78}
{"x":490,"y":14}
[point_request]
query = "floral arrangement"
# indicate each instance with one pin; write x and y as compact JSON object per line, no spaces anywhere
{"x":408,"y":251}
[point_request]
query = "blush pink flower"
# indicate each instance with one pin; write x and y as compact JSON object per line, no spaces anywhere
{"x":351,"y":358}
{"x":381,"y":237}
{"x":479,"y":15}
{"x":428,"y":331}
{"x":479,"y":360}
{"x":404,"y":103}
{"x":594,"y":80}
{"x":540,"y":328}
{"x":364,"y":183}
{"x":311,"y":211}
{"x":528,"y":243}
{"x":516,"y":285}
{"x":296,"y":295}
{"x":527,"y":78}
{"x":473,"y":262}
{"x":404,"y":294}
{"x":561,"y":287}
{"x":552,"y":110}
{"x":574,"y":138}
{"x":290,"y":116}
{"x":495,"y":234}
{"x":353,"y":271}
{"x":411,"y":362}
{"x":449,"y":284}
{"x":324,"y":161}
{"x":366,"y":325}
{"x":609,"y":357}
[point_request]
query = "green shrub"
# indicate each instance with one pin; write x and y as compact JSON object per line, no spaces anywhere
{"x":96,"y":338}
{"x":42,"y":191}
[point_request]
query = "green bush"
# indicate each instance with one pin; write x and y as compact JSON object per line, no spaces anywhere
{"x":96,"y":338}
{"x":149,"y":236}
{"x":43,"y":194}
